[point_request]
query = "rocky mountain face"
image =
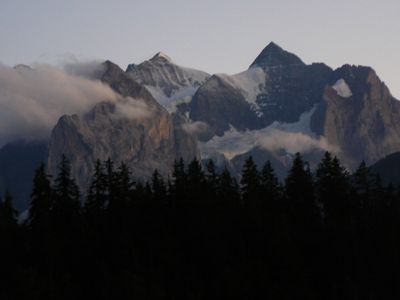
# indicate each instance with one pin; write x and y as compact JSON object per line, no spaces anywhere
{"x":359,"y":115}
{"x":349,"y":111}
{"x":220,"y":105}
{"x":278,"y":86}
{"x":135,"y":130}
{"x":275,"y":108}
{"x":388,"y":169}
{"x":168,"y":82}
{"x":279,"y":106}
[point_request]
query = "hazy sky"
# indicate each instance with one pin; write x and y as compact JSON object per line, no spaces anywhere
{"x":215,"y":36}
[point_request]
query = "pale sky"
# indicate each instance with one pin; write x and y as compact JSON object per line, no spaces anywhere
{"x":211,"y":35}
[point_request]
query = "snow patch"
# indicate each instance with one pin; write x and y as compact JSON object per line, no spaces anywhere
{"x":182,"y":95}
{"x":250,"y":83}
{"x":169,"y":83}
{"x":292,"y":137}
{"x":302,"y":125}
{"x":342,"y":88}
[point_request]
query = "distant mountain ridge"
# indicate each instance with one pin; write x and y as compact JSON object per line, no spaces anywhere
{"x":352,"y":109}
{"x":168,"y":82}
{"x":276,"y":107}
{"x":388,"y":169}
{"x":274,"y":56}
{"x":145,"y":143}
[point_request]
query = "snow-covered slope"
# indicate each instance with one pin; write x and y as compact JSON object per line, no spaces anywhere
{"x":169,"y":83}
{"x":342,"y":88}
{"x":250,"y":83}
{"x":290,"y":137}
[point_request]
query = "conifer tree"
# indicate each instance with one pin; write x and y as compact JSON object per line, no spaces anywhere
{"x":8,"y":215}
{"x":363,"y":186}
{"x":179,"y":181}
{"x":250,"y":182}
{"x":158,"y":187}
{"x":212,"y":179}
{"x":332,"y":188}
{"x":362,"y":179}
{"x":40,"y":208}
{"x":96,"y":198}
{"x":196,"y":181}
{"x":299,"y":187}
{"x":66,"y":203}
{"x":303,"y":212}
{"x":10,"y":249}
{"x":269,"y":182}
{"x":124,"y":184}
{"x":110,"y":178}
{"x":121,"y":187}
{"x":271,"y":207}
{"x":228,"y":189}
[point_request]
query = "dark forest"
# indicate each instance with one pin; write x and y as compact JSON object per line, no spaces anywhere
{"x":201,"y":234}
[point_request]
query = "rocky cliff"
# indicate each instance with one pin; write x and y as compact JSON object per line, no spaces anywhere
{"x":359,"y":115}
{"x":169,"y":83}
{"x":135,"y":130}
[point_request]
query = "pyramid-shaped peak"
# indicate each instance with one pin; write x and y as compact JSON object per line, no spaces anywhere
{"x":161,"y":55}
{"x":108,"y":68}
{"x":110,"y":65}
{"x":273,"y":55}
{"x":272,"y":46}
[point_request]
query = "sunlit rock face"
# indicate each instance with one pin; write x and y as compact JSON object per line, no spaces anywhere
{"x":359,"y":115}
{"x":135,"y":130}
{"x":278,"y":106}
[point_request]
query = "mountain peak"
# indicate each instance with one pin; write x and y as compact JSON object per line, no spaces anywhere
{"x":274,"y":55}
{"x":273,"y":45}
{"x":22,"y":68}
{"x":161,"y":55}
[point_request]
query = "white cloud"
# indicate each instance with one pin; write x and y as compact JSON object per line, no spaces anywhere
{"x":89,"y":69}
{"x":292,"y":142}
{"x":132,"y":109}
{"x":234,"y":142}
{"x":32,"y":100}
{"x":195,"y":127}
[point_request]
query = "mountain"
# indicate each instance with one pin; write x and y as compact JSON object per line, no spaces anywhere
{"x":273,"y":56}
{"x":348,"y":111}
{"x":278,"y":86}
{"x":277,"y":107}
{"x":388,"y":169}
{"x":168,"y":82}
{"x":18,"y":161}
{"x":135,"y":130}
{"x":359,"y":115}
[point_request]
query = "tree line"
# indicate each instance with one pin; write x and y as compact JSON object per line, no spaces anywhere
{"x":200,"y":234}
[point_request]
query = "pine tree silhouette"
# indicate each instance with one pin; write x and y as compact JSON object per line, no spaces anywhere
{"x":8,"y":215}
{"x":158,"y":187}
{"x":66,"y":204}
{"x":96,"y":197}
{"x":41,"y":202}
{"x":250,"y":182}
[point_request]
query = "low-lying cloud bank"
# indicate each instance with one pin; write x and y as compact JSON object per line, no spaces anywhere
{"x":130,"y":108}
{"x":32,"y":100}
{"x":292,"y":142}
{"x":195,"y":128}
{"x":234,"y":143}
